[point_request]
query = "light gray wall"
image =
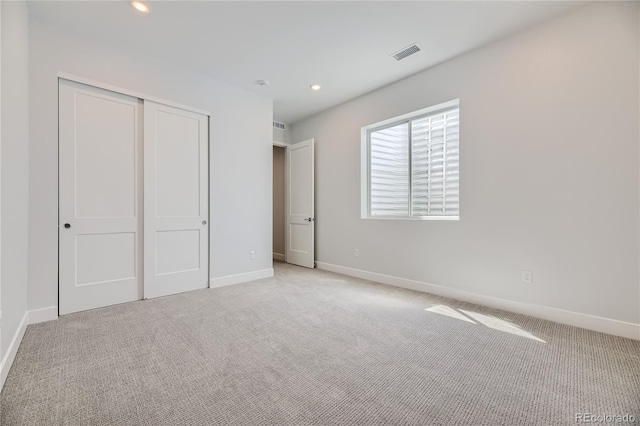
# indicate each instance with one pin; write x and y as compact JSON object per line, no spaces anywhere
{"x":241,"y":145}
{"x":1,"y":352}
{"x":549,"y":170}
{"x":278,"y":199}
{"x":15,"y":143}
{"x":279,"y":135}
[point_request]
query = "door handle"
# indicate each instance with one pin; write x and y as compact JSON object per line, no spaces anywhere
{"x":309,"y":219}
{"x":204,"y":222}
{"x":67,"y":225}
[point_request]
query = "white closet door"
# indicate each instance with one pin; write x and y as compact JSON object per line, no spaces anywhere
{"x":100,"y":158}
{"x":176,"y":202}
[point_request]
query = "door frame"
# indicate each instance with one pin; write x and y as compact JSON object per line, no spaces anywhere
{"x":132,"y":93}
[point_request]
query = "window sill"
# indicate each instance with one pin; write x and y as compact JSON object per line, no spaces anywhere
{"x":419,"y":218}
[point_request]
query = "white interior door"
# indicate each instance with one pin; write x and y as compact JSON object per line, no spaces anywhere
{"x":176,"y":203}
{"x":100,"y":204}
{"x":300,"y":229}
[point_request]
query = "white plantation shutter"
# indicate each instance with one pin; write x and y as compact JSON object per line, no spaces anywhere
{"x":414,"y":165}
{"x":435,"y":164}
{"x":389,"y":168}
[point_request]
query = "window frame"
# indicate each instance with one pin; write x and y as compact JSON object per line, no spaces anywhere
{"x":365,"y":161}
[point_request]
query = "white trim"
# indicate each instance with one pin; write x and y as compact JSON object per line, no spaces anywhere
{"x":590,"y":322}
{"x":414,"y":114}
{"x":42,"y":315}
{"x":279,"y":256}
{"x":7,"y":361}
{"x":411,"y":217}
{"x":364,"y":173}
{"x":132,"y":93}
{"x":280,"y":144}
{"x":240,"y":278}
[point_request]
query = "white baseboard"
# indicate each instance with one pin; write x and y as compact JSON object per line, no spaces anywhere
{"x":7,"y":361}
{"x":590,"y":322}
{"x":240,"y":278}
{"x":278,"y":256}
{"x":42,"y":315}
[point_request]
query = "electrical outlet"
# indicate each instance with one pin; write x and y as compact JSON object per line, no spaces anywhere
{"x":527,"y":277}
{"x":252,"y":255}
{"x":356,"y":253}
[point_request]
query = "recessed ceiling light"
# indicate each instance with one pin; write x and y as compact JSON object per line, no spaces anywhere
{"x":315,"y":87}
{"x":140,"y":7}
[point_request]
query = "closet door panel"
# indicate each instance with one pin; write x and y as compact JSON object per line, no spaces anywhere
{"x":176,"y":200}
{"x":100,"y":197}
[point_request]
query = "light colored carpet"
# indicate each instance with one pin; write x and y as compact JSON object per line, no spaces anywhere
{"x":315,"y":348}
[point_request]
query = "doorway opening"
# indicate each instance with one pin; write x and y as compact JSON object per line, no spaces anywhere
{"x":279,"y":155}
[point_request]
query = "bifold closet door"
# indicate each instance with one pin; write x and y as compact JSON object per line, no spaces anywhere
{"x":100,"y":197}
{"x":176,"y":206}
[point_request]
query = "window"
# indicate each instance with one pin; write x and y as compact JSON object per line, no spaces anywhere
{"x":411,"y":165}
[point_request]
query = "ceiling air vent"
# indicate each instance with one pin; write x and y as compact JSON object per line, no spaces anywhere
{"x":278,"y":125}
{"x":407,"y":51}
